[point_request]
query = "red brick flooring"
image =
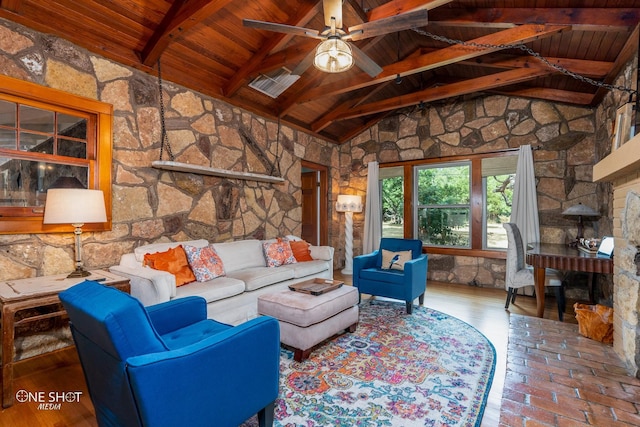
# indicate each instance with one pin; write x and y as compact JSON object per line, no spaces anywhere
{"x":555,"y":377}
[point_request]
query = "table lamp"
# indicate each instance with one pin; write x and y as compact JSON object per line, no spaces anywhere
{"x":348,"y":204}
{"x":75,"y":206}
{"x":580,"y":210}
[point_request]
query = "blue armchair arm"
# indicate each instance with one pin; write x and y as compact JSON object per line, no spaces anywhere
{"x":178,"y":313}
{"x":361,"y":262}
{"x":224,"y":379}
{"x":415,"y":272}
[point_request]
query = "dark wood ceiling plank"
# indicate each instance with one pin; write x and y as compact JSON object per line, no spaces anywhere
{"x":593,"y":69}
{"x":436,"y":59}
{"x":582,"y":19}
{"x":398,"y":7}
{"x":14,"y":6}
{"x":245,"y":70}
{"x":181,"y":17}
{"x":479,"y":84}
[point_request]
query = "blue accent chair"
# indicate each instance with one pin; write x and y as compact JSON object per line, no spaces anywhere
{"x":168,"y":365}
{"x":406,"y":285}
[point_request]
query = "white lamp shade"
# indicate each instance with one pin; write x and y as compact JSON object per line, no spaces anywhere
{"x":74,"y":206}
{"x":349,"y":203}
{"x":333,"y":56}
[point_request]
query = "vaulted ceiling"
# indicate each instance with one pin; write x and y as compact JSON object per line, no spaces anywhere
{"x":563,"y":51}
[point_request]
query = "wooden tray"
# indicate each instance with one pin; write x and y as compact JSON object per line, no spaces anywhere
{"x":316,"y":286}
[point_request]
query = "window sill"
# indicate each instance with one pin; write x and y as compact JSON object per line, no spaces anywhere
{"x":484,"y":253}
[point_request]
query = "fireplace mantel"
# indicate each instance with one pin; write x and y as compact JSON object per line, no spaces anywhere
{"x":623,"y":161}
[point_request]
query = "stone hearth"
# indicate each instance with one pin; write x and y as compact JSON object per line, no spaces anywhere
{"x":622,"y":169}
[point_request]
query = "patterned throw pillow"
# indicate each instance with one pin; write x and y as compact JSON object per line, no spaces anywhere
{"x":173,"y":261}
{"x":394,"y":260}
{"x":301,"y":250}
{"x":278,"y":253}
{"x":205,"y":262}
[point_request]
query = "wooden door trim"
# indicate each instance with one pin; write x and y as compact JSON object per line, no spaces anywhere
{"x":323,"y":207}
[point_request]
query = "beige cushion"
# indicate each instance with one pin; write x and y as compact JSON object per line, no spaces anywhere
{"x":212,"y":290}
{"x":240,"y":254}
{"x":303,"y":309}
{"x":259,"y":277}
{"x":307,"y":268}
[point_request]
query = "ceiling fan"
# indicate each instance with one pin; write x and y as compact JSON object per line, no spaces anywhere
{"x":333,"y":54}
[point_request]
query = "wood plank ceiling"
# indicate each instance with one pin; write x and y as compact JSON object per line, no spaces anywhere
{"x":203,"y":45}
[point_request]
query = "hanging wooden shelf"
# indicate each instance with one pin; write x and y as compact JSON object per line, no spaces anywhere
{"x":204,"y":170}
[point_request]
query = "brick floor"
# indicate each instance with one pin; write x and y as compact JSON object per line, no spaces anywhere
{"x":555,"y":377}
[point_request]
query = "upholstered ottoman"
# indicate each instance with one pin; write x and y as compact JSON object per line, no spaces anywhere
{"x":306,"y":320}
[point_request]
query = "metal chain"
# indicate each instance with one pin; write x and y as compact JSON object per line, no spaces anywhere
{"x":531,"y":52}
{"x":164,"y":140}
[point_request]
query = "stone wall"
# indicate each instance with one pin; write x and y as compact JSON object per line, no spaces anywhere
{"x":565,"y":139}
{"x":151,"y":205}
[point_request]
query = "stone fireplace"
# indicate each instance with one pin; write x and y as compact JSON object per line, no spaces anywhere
{"x":622,"y":169}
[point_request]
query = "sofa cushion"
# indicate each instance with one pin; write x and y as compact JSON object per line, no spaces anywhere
{"x":278,"y":253}
{"x":161,"y":247}
{"x":240,"y":254}
{"x":174,"y":261}
{"x":212,"y":290}
{"x":204,"y":262}
{"x":193,"y":333}
{"x":259,"y":277}
{"x":307,"y":268}
{"x":394,"y":260}
{"x":300,"y":250}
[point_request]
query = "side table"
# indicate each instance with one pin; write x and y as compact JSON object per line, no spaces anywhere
{"x":18,"y":295}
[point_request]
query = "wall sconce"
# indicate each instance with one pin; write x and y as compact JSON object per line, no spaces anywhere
{"x":348,"y":204}
{"x":75,"y":206}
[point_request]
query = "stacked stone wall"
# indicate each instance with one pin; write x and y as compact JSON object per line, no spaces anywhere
{"x":565,"y":140}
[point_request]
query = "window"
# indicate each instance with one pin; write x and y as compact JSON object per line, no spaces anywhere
{"x":443,"y":204}
{"x":392,"y":194}
{"x":456,"y":204}
{"x":47,"y":137}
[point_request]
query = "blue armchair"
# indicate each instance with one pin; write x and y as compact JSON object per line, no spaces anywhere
{"x":168,"y":365}
{"x":371,"y":277}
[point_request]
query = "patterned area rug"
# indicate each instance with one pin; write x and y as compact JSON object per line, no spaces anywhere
{"x":424,"y":369}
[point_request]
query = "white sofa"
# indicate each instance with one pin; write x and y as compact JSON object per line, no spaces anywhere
{"x":231,"y":298}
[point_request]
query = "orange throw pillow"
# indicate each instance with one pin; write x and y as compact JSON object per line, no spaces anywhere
{"x":173,"y":261}
{"x":300,"y":250}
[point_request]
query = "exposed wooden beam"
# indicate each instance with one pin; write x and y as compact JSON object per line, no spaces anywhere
{"x":304,"y":15}
{"x":478,"y":84}
{"x":553,"y":95}
{"x":436,"y":59}
{"x":182,"y":16}
{"x":398,"y":7}
{"x":14,"y":6}
{"x":582,"y":19}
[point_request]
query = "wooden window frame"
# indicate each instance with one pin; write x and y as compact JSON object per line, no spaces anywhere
{"x":99,"y":154}
{"x":477,"y":197}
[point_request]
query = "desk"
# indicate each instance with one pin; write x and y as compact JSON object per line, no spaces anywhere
{"x":18,"y":295}
{"x":562,"y":257}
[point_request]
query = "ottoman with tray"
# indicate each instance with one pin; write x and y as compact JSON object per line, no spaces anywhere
{"x":312,"y":313}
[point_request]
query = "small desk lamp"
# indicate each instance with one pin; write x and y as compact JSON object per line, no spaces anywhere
{"x":348,"y":204}
{"x":75,"y":206}
{"x":580,"y":210}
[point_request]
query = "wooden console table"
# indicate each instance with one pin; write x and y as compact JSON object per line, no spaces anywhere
{"x":18,"y":295}
{"x":562,"y":257}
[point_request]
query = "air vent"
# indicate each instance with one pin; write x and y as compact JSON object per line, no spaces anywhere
{"x":274,"y":83}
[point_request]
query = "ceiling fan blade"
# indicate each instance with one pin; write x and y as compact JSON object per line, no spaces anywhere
{"x":305,"y":63}
{"x":365,"y":63}
{"x":281,"y":28}
{"x":392,"y":24}
{"x":332,"y":9}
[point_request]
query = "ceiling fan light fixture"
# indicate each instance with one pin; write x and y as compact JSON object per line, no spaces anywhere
{"x":333,"y":56}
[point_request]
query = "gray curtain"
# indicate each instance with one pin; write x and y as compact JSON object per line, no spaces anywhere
{"x":524,"y":209}
{"x":372,"y":211}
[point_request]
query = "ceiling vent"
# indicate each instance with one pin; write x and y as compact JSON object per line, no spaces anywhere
{"x":274,"y":83}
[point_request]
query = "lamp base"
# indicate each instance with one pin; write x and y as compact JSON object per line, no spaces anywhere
{"x":347,"y":271}
{"x":79,"y":272}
